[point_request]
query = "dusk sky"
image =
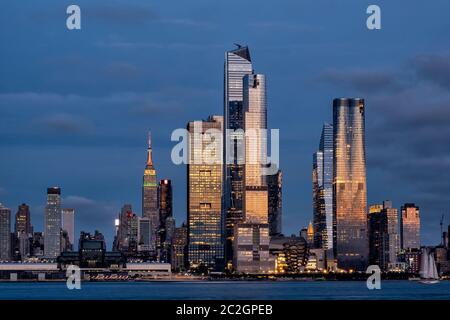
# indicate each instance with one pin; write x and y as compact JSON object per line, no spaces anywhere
{"x":75,"y":106}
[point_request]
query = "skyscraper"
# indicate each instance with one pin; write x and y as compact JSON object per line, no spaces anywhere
{"x":165,"y":205}
{"x":274,"y":185}
{"x":52,"y":223}
{"x":237,"y":65}
{"x":23,"y":230}
{"x":410,"y":227}
{"x":251,"y":254}
{"x":204,"y":182}
{"x":179,"y":246}
{"x":319,"y":216}
{"x":68,"y":223}
{"x":127,"y":239}
{"x":150,"y":195}
{"x":144,"y":234}
{"x":23,"y":220}
{"x":349,"y":183}
{"x":5,"y":233}
{"x":384,"y":241}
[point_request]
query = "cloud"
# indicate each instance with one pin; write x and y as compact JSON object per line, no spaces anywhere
{"x":363,"y":80}
{"x":65,"y":123}
{"x":434,"y":68}
{"x":120,"y":70}
{"x":121,"y":13}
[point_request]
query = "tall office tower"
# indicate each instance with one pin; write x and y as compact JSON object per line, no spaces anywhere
{"x":128,"y":230}
{"x":319,"y":216}
{"x":179,"y":246}
{"x":23,"y":230}
{"x":274,"y":185}
{"x":393,"y":241}
{"x":144,"y":234}
{"x":237,"y":65}
{"x":324,"y":222}
{"x":410,"y":227}
{"x":383,"y":235}
{"x":310,"y":235}
{"x":165,"y":206}
{"x":349,"y":184}
{"x":150,"y":195}
{"x":68,"y":224}
{"x":5,"y":233}
{"x":52,"y":223}
{"x":251,"y":254}
{"x":205,"y":183}
{"x":23,"y":220}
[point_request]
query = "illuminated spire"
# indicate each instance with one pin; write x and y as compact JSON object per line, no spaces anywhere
{"x":149,"y":150}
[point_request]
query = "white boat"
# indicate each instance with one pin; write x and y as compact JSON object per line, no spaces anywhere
{"x":428,"y":270}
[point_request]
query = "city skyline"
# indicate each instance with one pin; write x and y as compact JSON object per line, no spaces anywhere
{"x":79,"y":190}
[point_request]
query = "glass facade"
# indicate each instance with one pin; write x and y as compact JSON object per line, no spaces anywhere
{"x":237,"y":65}
{"x":53,"y":224}
{"x":274,"y":185}
{"x":205,"y":183}
{"x":150,"y":196}
{"x":410,"y":227}
{"x":324,"y":221}
{"x":349,"y":183}
{"x":255,"y":125}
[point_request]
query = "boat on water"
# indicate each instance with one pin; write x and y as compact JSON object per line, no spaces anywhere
{"x":428,"y":270}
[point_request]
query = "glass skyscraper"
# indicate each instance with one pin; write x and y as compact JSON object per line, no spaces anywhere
{"x":349,"y":183}
{"x":274,"y":185}
{"x":205,"y":183}
{"x":324,"y":221}
{"x":237,"y":65}
{"x":53,"y":223}
{"x":410,"y":227}
{"x":150,"y":196}
{"x":251,"y":247}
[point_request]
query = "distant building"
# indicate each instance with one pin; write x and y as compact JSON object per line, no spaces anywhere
{"x":349,"y":184}
{"x":68,"y":224}
{"x":37,"y":245}
{"x":204,"y":191}
{"x":150,"y":196}
{"x":52,"y":224}
{"x":290,"y":253}
{"x":128,"y":231}
{"x":384,"y":241}
{"x":23,"y":230}
{"x":274,"y":185}
{"x":410,"y":227}
{"x":166,"y":219}
{"x":323,"y":190}
{"x":144,"y":234}
{"x":310,"y":235}
{"x":5,"y":233}
{"x":179,"y":249}
{"x":252,"y":248}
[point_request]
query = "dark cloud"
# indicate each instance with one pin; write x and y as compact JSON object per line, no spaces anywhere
{"x":65,"y":123}
{"x":363,"y":80}
{"x":434,"y":68}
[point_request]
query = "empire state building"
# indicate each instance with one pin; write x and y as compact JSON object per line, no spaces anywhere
{"x":150,"y":195}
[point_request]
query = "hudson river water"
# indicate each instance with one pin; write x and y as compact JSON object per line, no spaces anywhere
{"x":317,"y":290}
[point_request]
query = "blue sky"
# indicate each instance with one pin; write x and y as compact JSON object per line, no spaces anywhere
{"x":75,"y":106}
